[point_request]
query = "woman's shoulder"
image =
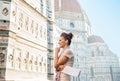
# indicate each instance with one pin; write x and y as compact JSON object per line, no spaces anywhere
{"x":68,"y":50}
{"x":68,"y":53}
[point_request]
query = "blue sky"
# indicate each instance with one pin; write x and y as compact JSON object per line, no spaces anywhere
{"x":104,"y":16}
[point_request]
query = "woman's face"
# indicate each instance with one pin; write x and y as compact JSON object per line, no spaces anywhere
{"x":62,"y":42}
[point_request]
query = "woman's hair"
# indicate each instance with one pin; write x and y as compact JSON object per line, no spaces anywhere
{"x":67,"y":36}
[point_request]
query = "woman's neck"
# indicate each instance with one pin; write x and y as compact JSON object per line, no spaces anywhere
{"x":65,"y":47}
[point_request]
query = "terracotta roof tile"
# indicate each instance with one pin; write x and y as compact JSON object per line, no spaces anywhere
{"x":68,"y":5}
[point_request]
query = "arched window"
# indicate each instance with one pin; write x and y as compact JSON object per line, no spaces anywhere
{"x":72,"y":25}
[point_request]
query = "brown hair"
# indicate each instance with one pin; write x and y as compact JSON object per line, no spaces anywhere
{"x":67,"y":36}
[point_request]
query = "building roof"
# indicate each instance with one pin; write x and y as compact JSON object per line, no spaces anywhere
{"x":68,"y":5}
{"x":94,"y":39}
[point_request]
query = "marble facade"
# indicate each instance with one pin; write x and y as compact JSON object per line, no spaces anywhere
{"x":24,"y":39}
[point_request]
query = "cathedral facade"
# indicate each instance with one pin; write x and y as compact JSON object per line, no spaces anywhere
{"x":25,"y":31}
{"x":103,"y":64}
{"x":92,"y":55}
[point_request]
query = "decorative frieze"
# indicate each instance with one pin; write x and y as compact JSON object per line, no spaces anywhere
{"x":20,"y":19}
{"x":27,"y":23}
{"x":3,"y":51}
{"x":4,"y":10}
{"x":22,"y":60}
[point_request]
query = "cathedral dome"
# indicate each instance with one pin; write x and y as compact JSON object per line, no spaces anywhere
{"x":94,"y":39}
{"x":68,"y":5}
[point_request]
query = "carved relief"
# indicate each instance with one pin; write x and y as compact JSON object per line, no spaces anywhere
{"x":13,"y":16}
{"x":39,"y":64}
{"x":2,"y":55}
{"x":40,"y":67}
{"x":44,"y":67}
{"x":30,"y":61}
{"x":44,"y":34}
{"x":26,"y":22}
{"x":43,"y":61}
{"x":31,"y":27}
{"x":25,"y":61}
{"x":2,"y":59}
{"x":20,"y":19}
{"x":10,"y":59}
{"x":40,"y":32}
{"x":18,"y":61}
{"x":36,"y":64}
{"x":13,"y":13}
{"x":30,"y":65}
{"x":27,"y":55}
{"x":36,"y":30}
{"x":5,"y":11}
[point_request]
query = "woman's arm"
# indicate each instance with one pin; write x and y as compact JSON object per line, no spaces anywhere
{"x":56,"y":56}
{"x":62,"y":60}
{"x":60,"y":63}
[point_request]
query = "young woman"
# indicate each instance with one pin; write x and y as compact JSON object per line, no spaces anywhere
{"x":63,"y":58}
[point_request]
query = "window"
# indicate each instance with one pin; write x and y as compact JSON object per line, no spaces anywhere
{"x":92,"y":53}
{"x":72,"y":25}
{"x":91,"y":71}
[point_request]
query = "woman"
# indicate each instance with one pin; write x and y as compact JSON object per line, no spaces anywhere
{"x":63,"y":58}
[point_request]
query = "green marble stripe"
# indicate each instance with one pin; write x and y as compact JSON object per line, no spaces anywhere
{"x":3,"y":44}
{"x":50,"y":58}
{"x":6,"y":0}
{"x":4,"y":33}
{"x":50,"y":50}
{"x":2,"y":68}
{"x":4,"y":21}
{"x":50,"y":73}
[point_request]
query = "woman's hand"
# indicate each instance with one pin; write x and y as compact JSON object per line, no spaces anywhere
{"x":57,"y":50}
{"x":60,"y":68}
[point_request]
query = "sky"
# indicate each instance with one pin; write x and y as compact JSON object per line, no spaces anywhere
{"x":104,"y":16}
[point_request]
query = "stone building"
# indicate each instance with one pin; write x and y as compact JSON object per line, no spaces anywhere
{"x":92,"y":55}
{"x":103,"y":65}
{"x":25,"y":31}
{"x":28,"y":34}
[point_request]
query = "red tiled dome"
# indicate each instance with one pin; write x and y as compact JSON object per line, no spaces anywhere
{"x":68,"y":5}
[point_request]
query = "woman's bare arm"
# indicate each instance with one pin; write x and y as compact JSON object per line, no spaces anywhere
{"x":62,"y":60}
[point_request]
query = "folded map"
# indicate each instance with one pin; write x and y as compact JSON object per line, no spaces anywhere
{"x":71,"y":71}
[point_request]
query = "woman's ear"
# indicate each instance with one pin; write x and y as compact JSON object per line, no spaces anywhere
{"x":66,"y":41}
